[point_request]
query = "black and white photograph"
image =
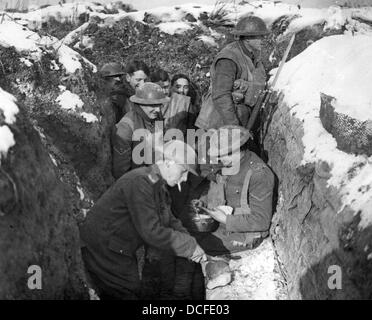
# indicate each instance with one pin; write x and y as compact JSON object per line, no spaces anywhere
{"x":185,"y":154}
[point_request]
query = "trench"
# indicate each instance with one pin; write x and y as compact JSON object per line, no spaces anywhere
{"x":59,"y":167}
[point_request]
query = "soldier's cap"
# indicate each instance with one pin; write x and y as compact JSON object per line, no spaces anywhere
{"x":112,"y":69}
{"x":149,"y":94}
{"x":228,"y":139}
{"x":181,"y":153}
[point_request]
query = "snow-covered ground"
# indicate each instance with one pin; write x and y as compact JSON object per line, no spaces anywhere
{"x":172,"y":18}
{"x":255,"y":276}
{"x":339,"y":66}
{"x":33,"y":45}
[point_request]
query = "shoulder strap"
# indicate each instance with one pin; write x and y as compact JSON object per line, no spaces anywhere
{"x":243,"y":197}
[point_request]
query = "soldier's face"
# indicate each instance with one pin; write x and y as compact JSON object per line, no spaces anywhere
{"x":229,"y":160}
{"x":181,"y":86}
{"x":165,"y":85}
{"x":254,"y":42}
{"x":136,"y":79}
{"x":153,"y":111}
{"x":112,"y":82}
{"x":175,"y":174}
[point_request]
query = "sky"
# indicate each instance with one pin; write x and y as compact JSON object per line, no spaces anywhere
{"x":146,"y":4}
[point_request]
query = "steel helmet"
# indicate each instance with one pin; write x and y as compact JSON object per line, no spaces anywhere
{"x":111,"y":69}
{"x":224,"y":141}
{"x":250,"y":26}
{"x":148,"y":94}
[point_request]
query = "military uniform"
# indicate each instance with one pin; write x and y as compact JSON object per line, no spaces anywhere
{"x":123,"y":143}
{"x":235,"y":69}
{"x":250,"y":193}
{"x":121,"y":221}
{"x":120,"y":103}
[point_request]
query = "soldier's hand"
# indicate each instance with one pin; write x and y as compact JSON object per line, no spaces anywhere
{"x":198,"y":255}
{"x":218,"y":215}
{"x":197,"y":203}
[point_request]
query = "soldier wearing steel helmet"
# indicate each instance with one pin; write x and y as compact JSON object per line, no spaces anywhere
{"x":136,"y":211}
{"x":112,"y":74}
{"x":237,"y":77}
{"x":145,"y":114}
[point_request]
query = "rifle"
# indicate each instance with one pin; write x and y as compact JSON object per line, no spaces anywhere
{"x":265,"y":96}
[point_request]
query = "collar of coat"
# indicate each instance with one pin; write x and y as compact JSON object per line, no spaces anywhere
{"x":154,"y":175}
{"x":138,"y":110}
{"x":251,"y":52}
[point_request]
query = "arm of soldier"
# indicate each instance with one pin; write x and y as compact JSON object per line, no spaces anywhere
{"x":222,"y":88}
{"x":176,"y":224}
{"x":121,"y":150}
{"x":261,"y":189}
{"x":139,"y":195}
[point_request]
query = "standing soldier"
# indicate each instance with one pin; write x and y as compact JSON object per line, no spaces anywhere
{"x":237,"y":77}
{"x":113,"y":87}
{"x":145,"y":114}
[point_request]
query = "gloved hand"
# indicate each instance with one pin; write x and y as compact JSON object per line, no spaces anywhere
{"x":198,"y":255}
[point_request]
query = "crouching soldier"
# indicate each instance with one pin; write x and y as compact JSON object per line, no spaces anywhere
{"x":136,"y":211}
{"x":249,"y":191}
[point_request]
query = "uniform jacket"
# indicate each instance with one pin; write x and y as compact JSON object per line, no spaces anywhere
{"x":123,"y":143}
{"x":255,"y":217}
{"x":133,"y":212}
{"x":119,"y":97}
{"x":232,"y":63}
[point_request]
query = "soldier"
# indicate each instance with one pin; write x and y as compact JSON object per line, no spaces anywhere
{"x":249,"y":192}
{"x":136,"y":211}
{"x":136,"y":74}
{"x":237,"y":77}
{"x":114,"y":89}
{"x":146,"y":114}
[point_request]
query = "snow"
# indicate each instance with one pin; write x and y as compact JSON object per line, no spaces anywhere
{"x":171,"y":19}
{"x":69,"y":101}
{"x":72,"y":102}
{"x":8,"y":106}
{"x":24,"y":40}
{"x":174,"y":27}
{"x":337,"y":66}
{"x":89,"y":117}
{"x":6,"y":140}
{"x":80,"y":191}
{"x":208,"y":40}
{"x":27,"y":62}
{"x":8,"y":109}
{"x":255,"y":277}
